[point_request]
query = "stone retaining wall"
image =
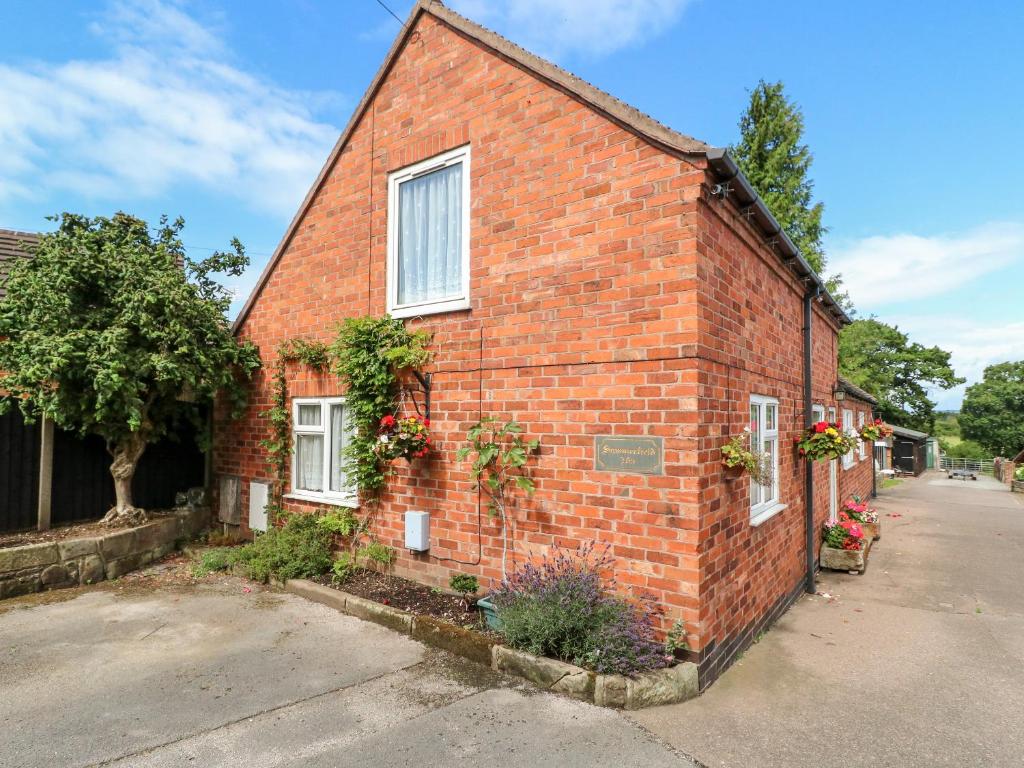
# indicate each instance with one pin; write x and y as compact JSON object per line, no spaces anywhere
{"x":72,"y":562}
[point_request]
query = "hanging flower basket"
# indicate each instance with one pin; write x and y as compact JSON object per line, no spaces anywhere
{"x":877,"y":430}
{"x":858,"y":511}
{"x":825,"y":440}
{"x":403,"y":438}
{"x":844,"y":547}
{"x":737,"y":457}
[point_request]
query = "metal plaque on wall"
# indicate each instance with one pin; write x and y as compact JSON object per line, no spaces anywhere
{"x":639,"y":455}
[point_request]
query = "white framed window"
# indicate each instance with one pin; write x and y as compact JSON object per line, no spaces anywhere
{"x":764,"y":436}
{"x":861,"y":448}
{"x":428,"y":236}
{"x":320,"y":432}
{"x":817,"y":413}
{"x":847,"y":427}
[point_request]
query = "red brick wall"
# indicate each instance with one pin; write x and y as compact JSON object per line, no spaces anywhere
{"x":607,"y":297}
{"x":751,"y":342}
{"x":583,"y":319}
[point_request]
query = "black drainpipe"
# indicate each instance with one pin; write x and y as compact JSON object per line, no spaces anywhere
{"x":809,"y":298}
{"x":874,"y":472}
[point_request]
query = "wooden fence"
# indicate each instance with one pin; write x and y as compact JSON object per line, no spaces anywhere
{"x":81,"y":487}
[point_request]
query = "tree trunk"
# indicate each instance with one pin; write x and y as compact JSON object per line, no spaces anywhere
{"x":126,"y":458}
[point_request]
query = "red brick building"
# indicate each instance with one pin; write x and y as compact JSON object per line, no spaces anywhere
{"x":590,"y":273}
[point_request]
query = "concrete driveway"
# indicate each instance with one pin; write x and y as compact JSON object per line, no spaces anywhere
{"x":154,"y":671}
{"x":919,"y":662}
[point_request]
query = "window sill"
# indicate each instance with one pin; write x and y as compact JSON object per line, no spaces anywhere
{"x":438,"y":308}
{"x":351,"y":502}
{"x":766,"y":514}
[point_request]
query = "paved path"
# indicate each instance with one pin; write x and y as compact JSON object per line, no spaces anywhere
{"x":146,"y":675}
{"x":919,"y":662}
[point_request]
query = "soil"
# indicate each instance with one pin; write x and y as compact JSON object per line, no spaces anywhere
{"x":73,"y":531}
{"x":409,"y":596}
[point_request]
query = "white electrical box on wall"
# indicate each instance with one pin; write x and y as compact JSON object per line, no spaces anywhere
{"x":259,"y":494}
{"x":417,"y":531}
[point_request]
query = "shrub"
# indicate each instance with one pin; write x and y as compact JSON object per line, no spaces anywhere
{"x":381,"y":554}
{"x":465,"y":585}
{"x":219,"y":559}
{"x":560,"y":608}
{"x":343,"y":568}
{"x":301,"y":548}
{"x":344,"y":523}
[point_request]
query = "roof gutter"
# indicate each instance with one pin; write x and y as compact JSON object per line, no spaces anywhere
{"x":726,"y":170}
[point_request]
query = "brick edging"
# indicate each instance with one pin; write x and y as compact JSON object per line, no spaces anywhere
{"x":649,"y":689}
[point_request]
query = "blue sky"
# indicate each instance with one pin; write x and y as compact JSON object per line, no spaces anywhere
{"x":223,"y":112}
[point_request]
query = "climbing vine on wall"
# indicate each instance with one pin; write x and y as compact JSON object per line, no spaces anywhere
{"x":279,"y":445}
{"x":370,"y":353}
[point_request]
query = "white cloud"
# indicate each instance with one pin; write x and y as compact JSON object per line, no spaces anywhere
{"x":167,"y":106}
{"x":884,"y":268}
{"x":556,"y":28}
{"x":972,"y":344}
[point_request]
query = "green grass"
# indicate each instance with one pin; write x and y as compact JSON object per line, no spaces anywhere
{"x":891,"y":482}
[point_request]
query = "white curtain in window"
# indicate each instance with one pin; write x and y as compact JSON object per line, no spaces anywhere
{"x":338,"y":442}
{"x":309,"y":462}
{"x":430,"y":236}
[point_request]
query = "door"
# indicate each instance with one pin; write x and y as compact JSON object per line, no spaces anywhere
{"x":833,"y":480}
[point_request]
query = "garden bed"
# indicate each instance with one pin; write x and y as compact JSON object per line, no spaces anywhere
{"x":647,"y":689}
{"x":73,"y":531}
{"x":407,"y":596}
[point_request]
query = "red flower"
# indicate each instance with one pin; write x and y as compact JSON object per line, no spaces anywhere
{"x":820,"y":427}
{"x":388,"y":421}
{"x":426,"y":422}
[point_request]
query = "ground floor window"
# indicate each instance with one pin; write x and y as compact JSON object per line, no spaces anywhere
{"x":764,"y":436}
{"x":320,"y":432}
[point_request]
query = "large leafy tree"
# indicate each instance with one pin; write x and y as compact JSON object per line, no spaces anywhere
{"x":772,"y":155}
{"x":881,"y":359}
{"x":993,"y":410}
{"x":109,"y":328}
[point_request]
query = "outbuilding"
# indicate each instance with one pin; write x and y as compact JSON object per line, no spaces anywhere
{"x":909,"y":450}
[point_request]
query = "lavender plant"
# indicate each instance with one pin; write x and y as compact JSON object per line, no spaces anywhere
{"x":564,"y":608}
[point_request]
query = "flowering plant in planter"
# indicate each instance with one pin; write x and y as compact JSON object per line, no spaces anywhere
{"x":876,"y":430}
{"x":858,"y":510}
{"x":402,"y":438}
{"x":825,"y":440}
{"x":738,"y":454}
{"x":844,"y":534}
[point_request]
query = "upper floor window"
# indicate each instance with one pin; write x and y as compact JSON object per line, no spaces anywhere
{"x":764,"y":436}
{"x":428,"y":236}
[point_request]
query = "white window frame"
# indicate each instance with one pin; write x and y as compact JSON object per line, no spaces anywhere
{"x":817,"y":413}
{"x":395,"y":180}
{"x":767,"y":507}
{"x":847,"y":426}
{"x":345,"y":498}
{"x":861,"y":448}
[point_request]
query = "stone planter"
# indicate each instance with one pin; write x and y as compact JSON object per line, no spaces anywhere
{"x":490,"y":614}
{"x":850,"y":560}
